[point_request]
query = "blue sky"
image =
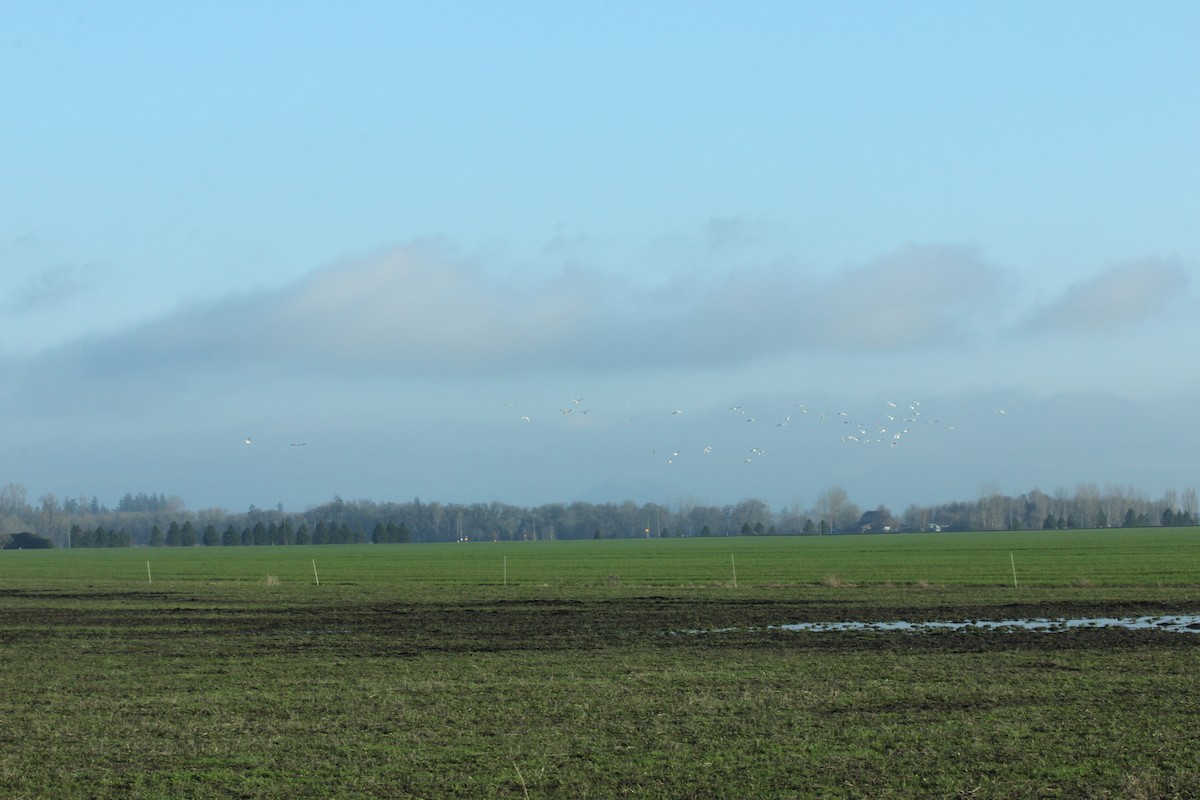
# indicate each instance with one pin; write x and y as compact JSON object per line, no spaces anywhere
{"x":392,"y":231}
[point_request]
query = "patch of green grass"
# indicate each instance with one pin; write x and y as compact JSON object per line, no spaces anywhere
{"x":1117,"y":557}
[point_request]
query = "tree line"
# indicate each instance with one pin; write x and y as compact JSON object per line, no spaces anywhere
{"x":158,"y":520}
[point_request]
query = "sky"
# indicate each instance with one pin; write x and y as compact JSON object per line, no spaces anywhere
{"x":537,"y":252}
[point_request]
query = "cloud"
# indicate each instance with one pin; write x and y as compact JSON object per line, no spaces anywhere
{"x":414,"y":307}
{"x":726,"y":233}
{"x":420,"y":308}
{"x":420,"y":313}
{"x":919,"y":295}
{"x":1116,"y":299}
{"x":49,"y":287}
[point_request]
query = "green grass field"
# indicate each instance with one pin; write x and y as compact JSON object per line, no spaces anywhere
{"x":1118,"y":557}
{"x":575,"y":670}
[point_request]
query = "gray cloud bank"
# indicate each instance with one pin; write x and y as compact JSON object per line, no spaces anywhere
{"x":419,"y":308}
{"x":1118,"y":298}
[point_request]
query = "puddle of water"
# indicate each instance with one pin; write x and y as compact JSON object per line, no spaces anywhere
{"x":1174,"y":623}
{"x":1181,"y":623}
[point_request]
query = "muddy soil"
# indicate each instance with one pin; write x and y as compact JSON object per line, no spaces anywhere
{"x":411,"y":628}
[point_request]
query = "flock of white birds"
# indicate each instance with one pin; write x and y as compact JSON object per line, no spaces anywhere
{"x":892,"y":426}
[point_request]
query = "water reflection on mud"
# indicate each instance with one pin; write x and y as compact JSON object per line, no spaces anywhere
{"x":1173,"y":623}
{"x":1185,"y":623}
